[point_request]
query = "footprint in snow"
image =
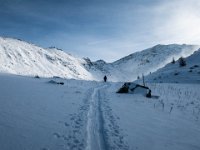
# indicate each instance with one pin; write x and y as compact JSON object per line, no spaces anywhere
{"x":57,"y":135}
{"x":66,"y":124}
{"x":44,"y":148}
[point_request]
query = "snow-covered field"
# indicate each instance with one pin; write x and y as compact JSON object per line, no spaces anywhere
{"x":170,"y":122}
{"x":36,"y":114}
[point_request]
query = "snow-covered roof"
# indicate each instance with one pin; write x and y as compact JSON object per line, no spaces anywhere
{"x":131,"y":87}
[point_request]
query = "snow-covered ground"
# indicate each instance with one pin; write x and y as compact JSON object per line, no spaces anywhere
{"x":170,"y":122}
{"x":36,"y":114}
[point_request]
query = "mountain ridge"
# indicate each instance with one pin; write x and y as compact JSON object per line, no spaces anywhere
{"x":23,"y":58}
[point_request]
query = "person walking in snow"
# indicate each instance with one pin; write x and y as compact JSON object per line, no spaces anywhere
{"x":105,"y":78}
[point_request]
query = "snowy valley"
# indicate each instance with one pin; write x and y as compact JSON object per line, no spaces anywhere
{"x":86,"y":115}
{"x":51,"y":100}
{"x":22,"y":58}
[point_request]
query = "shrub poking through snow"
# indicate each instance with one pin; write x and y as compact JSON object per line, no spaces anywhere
{"x":56,"y":77}
{"x":62,"y":83}
{"x":182,"y":62}
{"x":173,"y":61}
{"x":176,"y":73}
{"x":196,"y":66}
{"x":55,"y":82}
{"x":138,"y":77}
{"x":37,"y":77}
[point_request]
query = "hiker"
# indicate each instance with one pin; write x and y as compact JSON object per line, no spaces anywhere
{"x":105,"y":78}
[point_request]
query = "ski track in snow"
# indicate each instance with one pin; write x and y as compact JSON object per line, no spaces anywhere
{"x":95,"y":138}
{"x":93,"y":126}
{"x":74,"y":139}
{"x":114,"y":136}
{"x":103,"y":132}
{"x":78,"y":120}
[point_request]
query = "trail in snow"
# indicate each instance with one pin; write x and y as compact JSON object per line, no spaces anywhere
{"x":79,"y":115}
{"x":113,"y":134}
{"x":95,"y":133}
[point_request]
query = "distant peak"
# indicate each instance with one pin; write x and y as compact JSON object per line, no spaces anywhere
{"x":100,"y":61}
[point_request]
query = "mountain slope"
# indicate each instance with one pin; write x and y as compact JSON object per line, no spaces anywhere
{"x":143,"y":62}
{"x":22,"y":58}
{"x":174,"y":73}
{"x":18,"y":57}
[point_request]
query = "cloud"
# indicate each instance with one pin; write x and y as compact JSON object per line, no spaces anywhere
{"x":102,"y":29}
{"x":177,"y":22}
{"x":165,"y":22}
{"x":134,"y":28}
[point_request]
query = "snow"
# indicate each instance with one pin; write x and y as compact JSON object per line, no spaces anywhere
{"x":51,"y":100}
{"x":131,"y":87}
{"x":149,"y":60}
{"x":146,"y":124}
{"x":94,"y":123}
{"x":22,"y":58}
{"x":36,"y":114}
{"x":173,"y":73}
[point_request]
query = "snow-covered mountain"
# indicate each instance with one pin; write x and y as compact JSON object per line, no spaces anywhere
{"x":22,"y":58}
{"x":143,"y":62}
{"x":174,"y":73}
{"x":60,"y":114}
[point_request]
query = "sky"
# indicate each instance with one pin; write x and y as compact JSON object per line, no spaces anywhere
{"x":101,"y":29}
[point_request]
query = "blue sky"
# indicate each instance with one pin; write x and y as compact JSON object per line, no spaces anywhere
{"x":101,"y":29}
